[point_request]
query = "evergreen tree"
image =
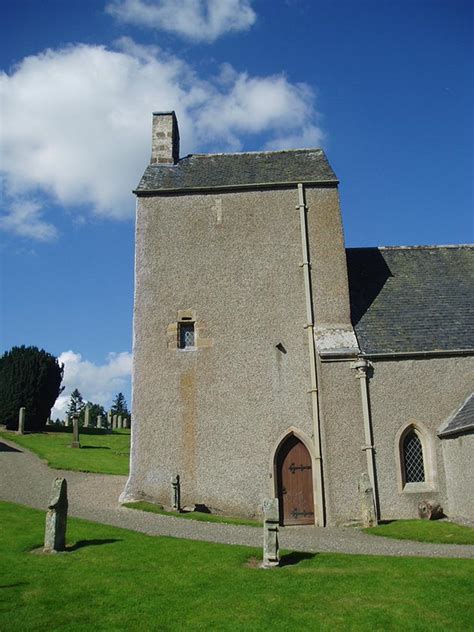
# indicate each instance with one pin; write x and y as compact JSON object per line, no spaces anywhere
{"x":29,"y":377}
{"x":119,"y":406}
{"x":76,"y":403}
{"x":95,"y":411}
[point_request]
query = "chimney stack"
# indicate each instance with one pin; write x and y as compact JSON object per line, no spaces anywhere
{"x":165,"y":139}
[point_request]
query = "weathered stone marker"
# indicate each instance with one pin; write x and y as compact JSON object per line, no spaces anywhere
{"x":367,"y":502}
{"x":21,"y":420}
{"x":175,"y":493}
{"x":66,"y":421}
{"x":56,"y":518}
{"x":271,"y":518}
{"x":99,"y":421}
{"x":120,"y":424}
{"x":429,"y":510}
{"x":109,"y":419}
{"x":114,"y":421}
{"x":87,"y":415}
{"x":75,"y":431}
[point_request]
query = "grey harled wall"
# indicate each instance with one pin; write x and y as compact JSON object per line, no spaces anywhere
{"x":423,"y":390}
{"x":214,"y":415}
{"x":458,"y":458}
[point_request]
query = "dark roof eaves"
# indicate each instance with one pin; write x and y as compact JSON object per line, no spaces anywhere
{"x":434,"y":353}
{"x":235,"y":187}
{"x":456,"y":431}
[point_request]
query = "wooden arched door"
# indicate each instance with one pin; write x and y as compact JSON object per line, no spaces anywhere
{"x":295,"y":483}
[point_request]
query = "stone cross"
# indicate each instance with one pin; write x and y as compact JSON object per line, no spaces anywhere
{"x":99,"y":421}
{"x":367,"y":502}
{"x":87,"y":413}
{"x":75,"y":431}
{"x":56,"y":518}
{"x":271,"y":518}
{"x":21,"y":420}
{"x":175,"y":493}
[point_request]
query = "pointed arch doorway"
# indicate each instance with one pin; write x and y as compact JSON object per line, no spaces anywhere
{"x":294,"y":475}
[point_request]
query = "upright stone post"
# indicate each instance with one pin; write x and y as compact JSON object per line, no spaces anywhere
{"x":120,"y":422}
{"x":21,"y":420}
{"x":87,"y":415}
{"x":99,"y":421}
{"x":56,"y":518}
{"x":175,"y":493}
{"x":66,"y":421}
{"x":75,"y":431}
{"x":367,"y":502}
{"x":114,"y":422}
{"x":125,"y":423}
{"x":271,"y":518}
{"x":109,"y":419}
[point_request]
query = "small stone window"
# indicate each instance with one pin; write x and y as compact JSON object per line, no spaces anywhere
{"x":413,"y":461}
{"x":186,"y":335}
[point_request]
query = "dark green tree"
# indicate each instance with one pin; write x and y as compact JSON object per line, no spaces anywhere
{"x":119,"y":406}
{"x":29,"y":377}
{"x":95,"y":411}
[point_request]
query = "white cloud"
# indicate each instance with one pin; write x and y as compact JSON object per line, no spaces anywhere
{"x":198,"y":20}
{"x":77,"y":124}
{"x":96,"y":383}
{"x":24,"y":218}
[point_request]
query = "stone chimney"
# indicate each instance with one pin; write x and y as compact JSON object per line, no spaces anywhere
{"x":165,"y":139}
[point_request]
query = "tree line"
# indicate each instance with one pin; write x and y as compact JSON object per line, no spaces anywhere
{"x":31,"y":378}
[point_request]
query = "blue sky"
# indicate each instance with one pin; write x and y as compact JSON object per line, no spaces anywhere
{"x":385,"y":87}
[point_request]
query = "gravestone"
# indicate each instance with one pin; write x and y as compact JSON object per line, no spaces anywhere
{"x":430,"y":510}
{"x":175,"y":493}
{"x":75,"y":431}
{"x":114,"y":422}
{"x":99,"y":421}
{"x":56,"y":518}
{"x":21,"y":420}
{"x":109,"y":419}
{"x":87,"y":414}
{"x":119,"y":421}
{"x":271,"y":518}
{"x":367,"y":502}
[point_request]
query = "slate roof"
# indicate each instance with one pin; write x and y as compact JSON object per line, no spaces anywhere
{"x":416,"y":298}
{"x":205,"y":171}
{"x":461,"y":420}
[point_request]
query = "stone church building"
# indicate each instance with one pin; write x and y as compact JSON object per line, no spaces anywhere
{"x":269,"y":360}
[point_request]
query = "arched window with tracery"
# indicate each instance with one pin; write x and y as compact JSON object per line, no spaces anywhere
{"x":413,"y":460}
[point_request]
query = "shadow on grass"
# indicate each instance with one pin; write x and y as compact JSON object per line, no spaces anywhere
{"x":14,"y":585}
{"x":295,"y":557}
{"x":94,"y":447}
{"x":7,"y":448}
{"x":82,"y":543}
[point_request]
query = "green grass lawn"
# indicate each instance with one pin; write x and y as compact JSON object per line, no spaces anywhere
{"x":192,"y":515}
{"x":425,"y":531}
{"x":113,"y":579}
{"x":100,"y":452}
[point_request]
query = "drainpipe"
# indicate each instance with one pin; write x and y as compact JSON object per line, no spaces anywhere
{"x":361,"y":366}
{"x":312,"y":358}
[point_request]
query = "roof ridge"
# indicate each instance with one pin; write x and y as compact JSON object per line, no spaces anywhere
{"x":420,"y":247}
{"x":244,"y":153}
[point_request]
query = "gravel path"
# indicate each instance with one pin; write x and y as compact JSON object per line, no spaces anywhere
{"x":26,"y":480}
